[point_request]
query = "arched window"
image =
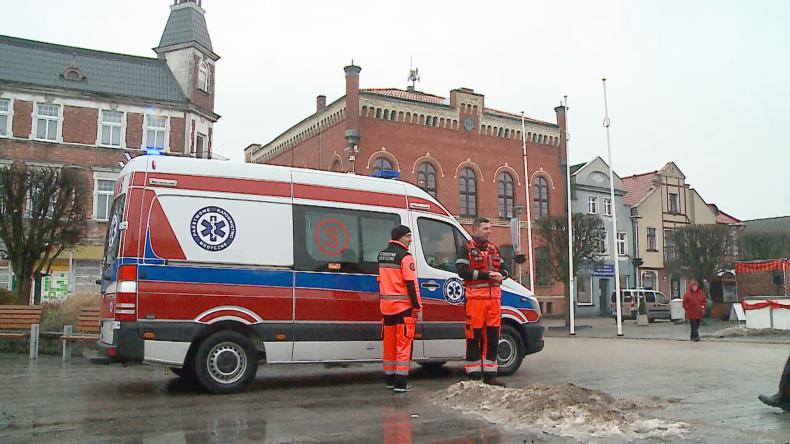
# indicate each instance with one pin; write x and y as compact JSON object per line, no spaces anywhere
{"x":467,"y":183}
{"x":540,"y":196}
{"x":381,"y":163}
{"x":336,"y":167}
{"x":426,"y":178}
{"x":505,"y":195}
{"x":203,"y":82}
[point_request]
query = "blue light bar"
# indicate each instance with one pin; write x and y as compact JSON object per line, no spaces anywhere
{"x":152,"y":151}
{"x":386,"y":174}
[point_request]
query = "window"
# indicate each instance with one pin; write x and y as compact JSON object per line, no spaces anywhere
{"x":621,"y":243}
{"x":542,"y":266}
{"x":103,"y":199}
{"x":505,"y":195}
{"x":426,"y":178}
{"x":652,"y":244}
{"x":602,"y":244}
{"x":540,"y":197}
{"x":441,"y":243}
{"x":37,"y":193}
{"x":467,"y":183}
{"x":5,"y":116}
{"x":203,"y":77}
{"x":47,"y":117}
{"x":607,"y":206}
{"x":381,"y":163}
{"x":155,"y":131}
{"x":669,"y":245}
{"x":343,"y":241}
{"x":592,"y":204}
{"x":336,"y":167}
{"x":200,"y":145}
{"x":584,"y":290}
{"x":111,"y":128}
{"x":673,"y":203}
{"x":649,"y":279}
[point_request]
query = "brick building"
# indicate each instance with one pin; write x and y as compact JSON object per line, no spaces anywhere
{"x":62,"y":105}
{"x":467,"y":155}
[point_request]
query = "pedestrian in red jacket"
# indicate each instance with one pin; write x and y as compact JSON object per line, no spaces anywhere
{"x":694,"y":302}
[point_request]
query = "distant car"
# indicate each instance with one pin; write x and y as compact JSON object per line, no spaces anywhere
{"x":657,"y":304}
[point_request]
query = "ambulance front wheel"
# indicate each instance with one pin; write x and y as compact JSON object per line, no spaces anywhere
{"x":225,"y":362}
{"x":511,"y":350}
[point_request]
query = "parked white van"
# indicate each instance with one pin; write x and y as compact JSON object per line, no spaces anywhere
{"x":211,"y":267}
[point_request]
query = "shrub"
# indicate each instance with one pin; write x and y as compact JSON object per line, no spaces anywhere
{"x":55,"y":316}
{"x":8,"y":298}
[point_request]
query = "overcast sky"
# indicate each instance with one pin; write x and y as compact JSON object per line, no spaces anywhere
{"x":705,"y":84}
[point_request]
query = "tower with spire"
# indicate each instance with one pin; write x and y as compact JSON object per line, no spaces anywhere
{"x":186,"y":46}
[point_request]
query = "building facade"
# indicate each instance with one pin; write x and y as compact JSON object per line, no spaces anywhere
{"x":464,"y":153}
{"x":68,"y":106}
{"x":590,"y":195}
{"x":662,"y":201}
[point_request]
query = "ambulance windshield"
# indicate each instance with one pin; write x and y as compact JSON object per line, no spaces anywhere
{"x":113,"y":241}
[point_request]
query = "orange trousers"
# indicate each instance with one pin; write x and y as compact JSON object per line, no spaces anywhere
{"x":398,"y":337}
{"x":483,"y":321}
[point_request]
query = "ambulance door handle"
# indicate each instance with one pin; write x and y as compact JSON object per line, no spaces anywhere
{"x":430,"y":285}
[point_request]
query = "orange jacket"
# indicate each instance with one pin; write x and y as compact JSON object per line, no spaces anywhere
{"x":477,"y":260}
{"x":397,"y":280}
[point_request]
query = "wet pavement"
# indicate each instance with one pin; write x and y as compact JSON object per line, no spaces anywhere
{"x":712,"y":385}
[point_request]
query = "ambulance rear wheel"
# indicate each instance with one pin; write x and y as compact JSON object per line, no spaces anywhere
{"x":225,"y":362}
{"x":511,"y":350}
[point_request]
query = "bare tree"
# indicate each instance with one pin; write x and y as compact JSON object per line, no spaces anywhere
{"x":588,"y":234}
{"x":42,"y":212}
{"x":764,"y":245}
{"x":700,"y":251}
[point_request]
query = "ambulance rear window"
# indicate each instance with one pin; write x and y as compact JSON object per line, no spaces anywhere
{"x":112,"y":242}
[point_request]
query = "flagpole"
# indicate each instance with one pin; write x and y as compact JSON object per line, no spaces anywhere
{"x":528,"y":205}
{"x":571,"y":276}
{"x":615,"y":255}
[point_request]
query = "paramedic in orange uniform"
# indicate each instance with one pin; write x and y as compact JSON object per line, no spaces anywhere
{"x":481,"y":267}
{"x":400,"y":304}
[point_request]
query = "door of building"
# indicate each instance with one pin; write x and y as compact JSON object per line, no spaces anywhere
{"x":603,"y":286}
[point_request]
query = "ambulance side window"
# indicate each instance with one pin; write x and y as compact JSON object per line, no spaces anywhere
{"x":340,"y":241}
{"x":441,"y":243}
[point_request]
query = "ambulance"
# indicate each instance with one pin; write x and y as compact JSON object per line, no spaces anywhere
{"x":211,"y":268}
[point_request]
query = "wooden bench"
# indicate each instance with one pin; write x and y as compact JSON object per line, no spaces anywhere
{"x":88,"y":326}
{"x":19,"y":322}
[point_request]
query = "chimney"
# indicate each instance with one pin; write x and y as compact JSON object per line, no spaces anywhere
{"x":320,"y":104}
{"x":352,"y":111}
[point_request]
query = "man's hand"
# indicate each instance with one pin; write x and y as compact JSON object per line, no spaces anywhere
{"x":418,"y":313}
{"x":495,"y":276}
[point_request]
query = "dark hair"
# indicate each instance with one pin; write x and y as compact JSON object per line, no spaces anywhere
{"x":480,"y":221}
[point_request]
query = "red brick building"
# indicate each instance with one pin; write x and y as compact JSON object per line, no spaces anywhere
{"x":467,"y":155}
{"x":63,"y":105}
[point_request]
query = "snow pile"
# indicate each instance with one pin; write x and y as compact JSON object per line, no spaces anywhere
{"x":564,"y":410}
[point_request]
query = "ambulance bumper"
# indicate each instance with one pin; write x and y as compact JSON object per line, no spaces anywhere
{"x":127,"y":345}
{"x":533,"y":333}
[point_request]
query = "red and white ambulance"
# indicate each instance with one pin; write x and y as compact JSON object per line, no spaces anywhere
{"x":212,"y":267}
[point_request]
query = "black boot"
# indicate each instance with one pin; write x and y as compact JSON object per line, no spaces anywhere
{"x":491,"y":380}
{"x":775,"y":400}
{"x":390,"y":381}
{"x":402,"y":384}
{"x":474,"y":376}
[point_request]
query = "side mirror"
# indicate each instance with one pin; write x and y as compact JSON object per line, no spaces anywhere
{"x":520,"y":258}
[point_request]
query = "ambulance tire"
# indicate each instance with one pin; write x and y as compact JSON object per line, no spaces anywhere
{"x":225,"y":362}
{"x":511,"y":350}
{"x":187,"y":372}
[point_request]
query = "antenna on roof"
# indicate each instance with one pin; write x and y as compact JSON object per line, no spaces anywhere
{"x":414,"y":76}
